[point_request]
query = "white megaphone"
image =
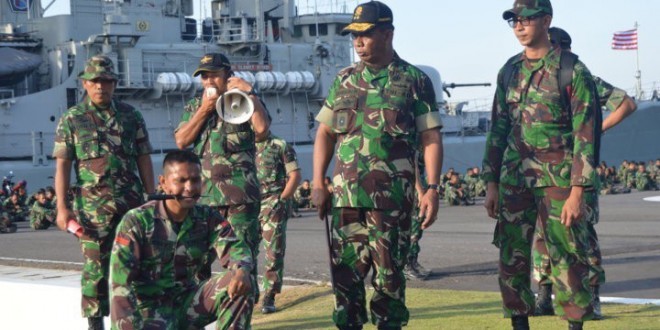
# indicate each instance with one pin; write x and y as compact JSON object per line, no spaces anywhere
{"x":234,"y":107}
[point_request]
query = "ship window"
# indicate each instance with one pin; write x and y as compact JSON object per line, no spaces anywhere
{"x":323,"y":30}
{"x":339,"y":28}
{"x":297,"y":31}
{"x":71,"y":99}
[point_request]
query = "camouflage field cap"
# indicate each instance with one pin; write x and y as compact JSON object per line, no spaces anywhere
{"x":369,"y":15}
{"x":559,"y":37}
{"x":527,"y":8}
{"x":99,"y":66}
{"x":212,"y":62}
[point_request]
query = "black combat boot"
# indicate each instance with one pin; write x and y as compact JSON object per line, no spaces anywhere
{"x":598,"y":313}
{"x":574,"y":325}
{"x":520,"y":322}
{"x":268,"y":304}
{"x":543,"y":305}
{"x":95,"y":323}
{"x":414,"y":270}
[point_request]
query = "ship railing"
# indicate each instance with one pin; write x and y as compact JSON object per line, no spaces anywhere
{"x":7,"y":97}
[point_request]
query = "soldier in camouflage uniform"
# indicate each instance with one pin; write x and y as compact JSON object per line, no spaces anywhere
{"x":157,"y":266}
{"x":42,"y":213}
{"x":456,"y":192}
{"x":15,"y":210}
{"x":279,"y":174}
{"x":631,"y":173}
{"x":413,"y":269}
{"x":378,"y":113}
{"x":106,"y":142}
{"x":227,"y":150}
{"x":539,"y":159}
{"x":642,"y":179}
{"x":476,"y":185}
{"x":621,"y":105}
{"x":6,"y":226}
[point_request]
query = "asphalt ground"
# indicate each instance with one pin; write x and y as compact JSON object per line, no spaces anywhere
{"x":457,"y":248}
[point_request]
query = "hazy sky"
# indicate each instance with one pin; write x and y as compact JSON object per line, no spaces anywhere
{"x":468,"y":41}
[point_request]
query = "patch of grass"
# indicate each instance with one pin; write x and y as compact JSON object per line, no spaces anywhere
{"x":310,"y":307}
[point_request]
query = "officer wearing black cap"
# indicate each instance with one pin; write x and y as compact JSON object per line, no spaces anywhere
{"x":227,"y":150}
{"x":373,"y":182}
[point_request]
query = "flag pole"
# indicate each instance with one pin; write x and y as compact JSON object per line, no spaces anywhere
{"x":638,"y":75}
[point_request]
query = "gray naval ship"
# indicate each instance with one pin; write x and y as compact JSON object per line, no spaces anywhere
{"x":292,"y":58}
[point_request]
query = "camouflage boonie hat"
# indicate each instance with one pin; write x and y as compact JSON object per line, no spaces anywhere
{"x":369,"y":15}
{"x":527,"y":8}
{"x":559,"y":38}
{"x":99,"y":66}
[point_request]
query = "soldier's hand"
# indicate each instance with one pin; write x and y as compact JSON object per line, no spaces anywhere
{"x":238,"y":83}
{"x":63,"y":216}
{"x":239,"y":284}
{"x":428,"y":207}
{"x":492,"y":200}
{"x":209,"y":98}
{"x":321,"y":198}
{"x":571,"y":213}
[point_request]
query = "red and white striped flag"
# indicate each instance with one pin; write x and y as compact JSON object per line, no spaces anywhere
{"x":624,"y":40}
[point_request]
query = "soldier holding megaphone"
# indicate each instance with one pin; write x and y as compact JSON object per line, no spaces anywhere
{"x":221,"y":125}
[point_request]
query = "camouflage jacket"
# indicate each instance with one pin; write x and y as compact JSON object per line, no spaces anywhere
{"x":377,"y":117}
{"x":533,"y":142}
{"x":42,"y":211}
{"x":153,"y":266}
{"x":642,"y":181}
{"x":609,"y":96}
{"x":228,"y":160}
{"x":14,"y":209}
{"x":275,"y":160}
{"x":104,"y":145}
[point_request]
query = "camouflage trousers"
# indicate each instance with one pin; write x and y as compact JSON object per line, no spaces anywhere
{"x":542,"y":269}
{"x":415,"y":234}
{"x":273,"y":219}
{"x":453,"y":197}
{"x":96,"y":245}
{"x":41,"y":221}
{"x":363,"y":240}
{"x":244,"y":219}
{"x":520,"y":211}
{"x":195,"y":308}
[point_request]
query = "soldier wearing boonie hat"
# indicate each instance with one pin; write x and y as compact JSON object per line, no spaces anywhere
{"x":99,"y":67}
{"x":107,"y":142}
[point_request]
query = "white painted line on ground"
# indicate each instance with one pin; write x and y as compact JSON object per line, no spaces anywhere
{"x":42,"y":261}
{"x":293,"y":279}
{"x":652,"y":199}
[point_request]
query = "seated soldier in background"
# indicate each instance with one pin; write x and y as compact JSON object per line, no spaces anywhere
{"x":631,"y":173}
{"x":303,"y":195}
{"x":456,"y":192}
{"x":6,"y":226}
{"x":476,"y":186}
{"x":447,"y":176}
{"x":643,"y":180}
{"x":42,"y":213}
{"x":15,"y":210}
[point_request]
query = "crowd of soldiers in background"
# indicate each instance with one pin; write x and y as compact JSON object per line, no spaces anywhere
{"x":16,"y":206}
{"x":630,"y":175}
{"x":39,"y":208}
{"x":463,"y":189}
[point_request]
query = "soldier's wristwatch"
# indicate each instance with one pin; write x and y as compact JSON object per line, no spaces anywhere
{"x":434,"y":187}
